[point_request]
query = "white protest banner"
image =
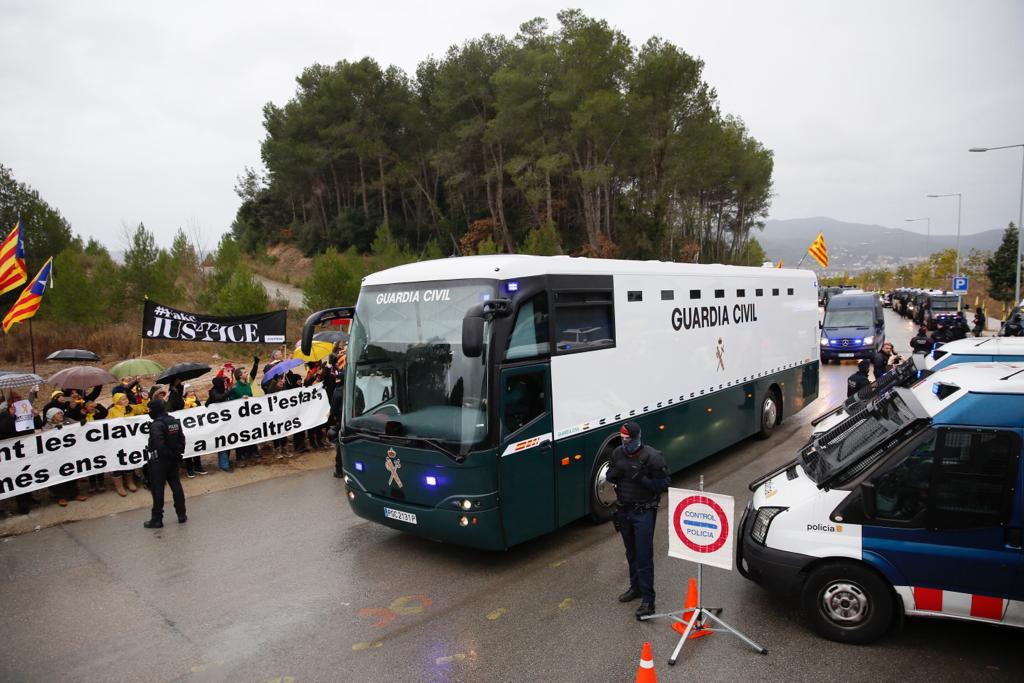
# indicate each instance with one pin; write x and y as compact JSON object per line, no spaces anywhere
{"x":46,"y":458}
{"x":700,"y":527}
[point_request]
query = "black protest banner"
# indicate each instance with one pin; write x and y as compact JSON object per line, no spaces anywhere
{"x":164,"y":322}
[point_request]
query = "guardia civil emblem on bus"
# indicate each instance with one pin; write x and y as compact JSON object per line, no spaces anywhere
{"x":483,"y":395}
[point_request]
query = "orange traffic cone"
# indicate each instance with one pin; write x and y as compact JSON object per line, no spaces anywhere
{"x":699,"y":630}
{"x":645,"y":672}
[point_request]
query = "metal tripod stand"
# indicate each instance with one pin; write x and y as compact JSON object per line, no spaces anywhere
{"x":702,"y":614}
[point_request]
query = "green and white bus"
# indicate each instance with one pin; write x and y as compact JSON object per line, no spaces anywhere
{"x":484,"y":394}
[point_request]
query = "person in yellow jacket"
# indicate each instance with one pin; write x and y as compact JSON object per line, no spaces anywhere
{"x":123,"y":407}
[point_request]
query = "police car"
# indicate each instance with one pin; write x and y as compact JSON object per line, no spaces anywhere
{"x":978,"y":349}
{"x":911,"y":506}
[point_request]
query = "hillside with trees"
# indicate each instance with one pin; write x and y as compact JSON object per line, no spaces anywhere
{"x":566,"y":140}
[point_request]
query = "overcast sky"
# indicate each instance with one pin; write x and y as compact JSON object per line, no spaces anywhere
{"x":120,"y":112}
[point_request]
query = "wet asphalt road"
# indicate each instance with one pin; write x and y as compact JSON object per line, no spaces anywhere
{"x":279,"y":581}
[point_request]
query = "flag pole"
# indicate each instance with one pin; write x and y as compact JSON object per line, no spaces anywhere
{"x":32,"y":343}
{"x":802,"y":259}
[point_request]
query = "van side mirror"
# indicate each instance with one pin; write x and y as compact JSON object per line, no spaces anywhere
{"x":820,"y":324}
{"x":867,"y":499}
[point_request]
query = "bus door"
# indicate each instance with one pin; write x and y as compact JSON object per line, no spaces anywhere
{"x":526,"y":468}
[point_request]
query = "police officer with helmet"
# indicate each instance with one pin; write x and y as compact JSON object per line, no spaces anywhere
{"x":640,"y":475}
{"x":166,"y":445}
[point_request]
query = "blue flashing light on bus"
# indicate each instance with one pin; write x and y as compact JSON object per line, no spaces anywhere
{"x":512,"y":286}
{"x":430,"y":480}
{"x":359,"y":466}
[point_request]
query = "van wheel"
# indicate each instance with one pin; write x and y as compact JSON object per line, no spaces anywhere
{"x":602,"y":493}
{"x":847,"y":603}
{"x":769,"y":416}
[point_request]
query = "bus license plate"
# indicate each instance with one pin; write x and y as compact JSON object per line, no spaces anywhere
{"x":400,"y":515}
{"x":846,"y":355}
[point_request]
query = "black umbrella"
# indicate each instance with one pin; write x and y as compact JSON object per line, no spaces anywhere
{"x":333,"y":336}
{"x":73,"y":355}
{"x":183,"y":371}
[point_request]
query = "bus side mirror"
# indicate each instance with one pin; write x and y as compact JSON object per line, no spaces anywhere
{"x":867,"y":499}
{"x":472,"y":336}
{"x":309,"y":327}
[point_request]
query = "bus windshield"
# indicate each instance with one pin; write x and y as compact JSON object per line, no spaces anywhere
{"x":406,"y":374}
{"x":848,"y":317}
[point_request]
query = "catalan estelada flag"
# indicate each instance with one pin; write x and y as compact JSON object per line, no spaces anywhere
{"x":28,"y":303}
{"x":818,"y":251}
{"x":12,"y":260}
{"x":779,"y":264}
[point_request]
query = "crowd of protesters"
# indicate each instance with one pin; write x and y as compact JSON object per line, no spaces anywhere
{"x":130,"y":398}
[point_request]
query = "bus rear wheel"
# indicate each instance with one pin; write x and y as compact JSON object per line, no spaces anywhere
{"x":602,"y":493}
{"x":769,"y":413}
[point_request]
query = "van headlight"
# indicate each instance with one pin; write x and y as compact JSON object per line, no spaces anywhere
{"x":824,"y":341}
{"x":869,"y":340}
{"x":763,"y":520}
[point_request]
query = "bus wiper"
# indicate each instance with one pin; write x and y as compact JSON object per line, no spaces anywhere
{"x":439,"y":446}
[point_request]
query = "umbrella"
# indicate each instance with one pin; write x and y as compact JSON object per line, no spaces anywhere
{"x":281,"y":368}
{"x":320,"y":350}
{"x":81,"y":377}
{"x":183,"y":371}
{"x":135,"y":366}
{"x":72,"y":355}
{"x":19,"y":379}
{"x":333,"y":336}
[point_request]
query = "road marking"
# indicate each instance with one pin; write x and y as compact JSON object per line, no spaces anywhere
{"x":565,"y":604}
{"x":458,"y":657}
{"x":366,"y":646}
{"x":497,"y":614}
{"x":404,"y":604}
{"x":557,"y":563}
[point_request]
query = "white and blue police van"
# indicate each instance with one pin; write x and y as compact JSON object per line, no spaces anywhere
{"x":910,"y":506}
{"x":976,"y":350}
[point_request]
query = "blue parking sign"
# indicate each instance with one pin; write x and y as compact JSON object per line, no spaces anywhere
{"x":960,"y":285}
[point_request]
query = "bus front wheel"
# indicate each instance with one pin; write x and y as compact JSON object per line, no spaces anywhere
{"x":602,"y":493}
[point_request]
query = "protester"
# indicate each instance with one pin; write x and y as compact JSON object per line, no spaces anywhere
{"x":272,"y":386}
{"x":883,"y":360}
{"x":123,"y":407}
{"x":190,"y":398}
{"x":242,"y":388}
{"x":218,"y":394}
{"x":9,"y":422}
{"x":640,"y":475}
{"x":314,"y":375}
{"x":167,"y":444}
{"x":66,"y":490}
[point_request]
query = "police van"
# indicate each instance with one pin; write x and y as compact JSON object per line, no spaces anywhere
{"x":912,"y":506}
{"x":976,"y":350}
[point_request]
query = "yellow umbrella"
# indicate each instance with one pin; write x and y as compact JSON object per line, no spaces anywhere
{"x":319,"y":351}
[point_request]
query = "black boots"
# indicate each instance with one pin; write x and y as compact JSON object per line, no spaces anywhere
{"x":630,"y":595}
{"x":153,"y":524}
{"x":645,"y":609}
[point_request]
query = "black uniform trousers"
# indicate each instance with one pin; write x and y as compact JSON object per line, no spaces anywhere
{"x":165,"y":470}
{"x":637,"y":529}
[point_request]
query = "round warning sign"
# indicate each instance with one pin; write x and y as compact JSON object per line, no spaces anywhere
{"x":701,"y":524}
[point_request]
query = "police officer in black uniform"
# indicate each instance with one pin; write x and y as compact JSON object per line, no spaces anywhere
{"x":166,"y":445}
{"x":640,"y":475}
{"x":859,"y":379}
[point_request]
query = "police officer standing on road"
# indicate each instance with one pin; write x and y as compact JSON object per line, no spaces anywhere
{"x":166,"y":445}
{"x":859,"y":379}
{"x":640,"y":475}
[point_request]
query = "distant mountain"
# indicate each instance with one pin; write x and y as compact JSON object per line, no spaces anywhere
{"x":855,"y":246}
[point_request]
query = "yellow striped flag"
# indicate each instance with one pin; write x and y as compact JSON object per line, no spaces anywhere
{"x":779,"y":264}
{"x":12,"y":260}
{"x":28,"y":303}
{"x":818,"y":251}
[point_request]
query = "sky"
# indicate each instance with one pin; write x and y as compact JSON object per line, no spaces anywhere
{"x":121,"y":112}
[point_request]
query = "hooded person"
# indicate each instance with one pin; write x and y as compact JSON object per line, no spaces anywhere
{"x":166,"y":447}
{"x":859,"y":379}
{"x":640,"y":475}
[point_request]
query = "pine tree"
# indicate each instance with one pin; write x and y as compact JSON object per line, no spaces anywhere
{"x":1001,"y":268}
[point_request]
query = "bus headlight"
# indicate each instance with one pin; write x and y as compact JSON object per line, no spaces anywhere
{"x":467,"y":504}
{"x":763,"y":520}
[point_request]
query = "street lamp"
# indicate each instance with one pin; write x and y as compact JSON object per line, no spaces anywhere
{"x":959,"y":203}
{"x":1020,"y":214}
{"x":929,"y":237}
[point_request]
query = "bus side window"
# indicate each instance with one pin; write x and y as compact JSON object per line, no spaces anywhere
{"x":584,"y":321}
{"x":529,"y":336}
{"x":523,"y":400}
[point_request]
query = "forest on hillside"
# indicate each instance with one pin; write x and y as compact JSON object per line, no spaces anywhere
{"x":566,"y":140}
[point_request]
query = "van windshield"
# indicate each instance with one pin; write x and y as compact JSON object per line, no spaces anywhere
{"x":944,"y":304}
{"x":848,"y":317}
{"x":858,"y":442}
